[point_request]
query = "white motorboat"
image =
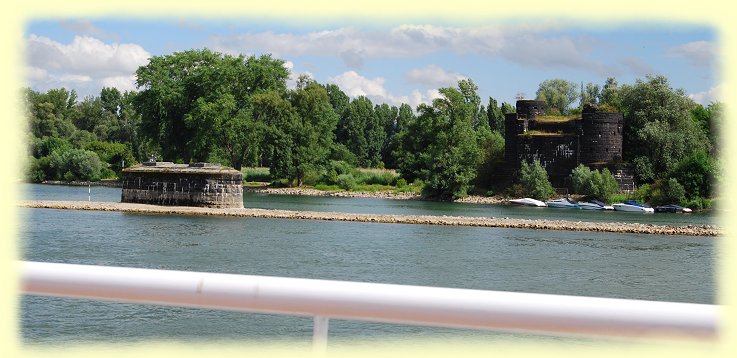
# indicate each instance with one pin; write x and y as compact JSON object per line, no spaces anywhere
{"x":632,"y":206}
{"x":528,"y":202}
{"x":594,"y":205}
{"x":563,"y":203}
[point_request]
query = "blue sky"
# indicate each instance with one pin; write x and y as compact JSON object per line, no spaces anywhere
{"x":388,"y":62}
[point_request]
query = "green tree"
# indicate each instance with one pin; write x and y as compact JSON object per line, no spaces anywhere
{"x":697,"y":174}
{"x":387,"y":118}
{"x":352,"y":128}
{"x":195,"y":102}
{"x":558,"y":94}
{"x":405,"y":115}
{"x":534,"y":180}
{"x":495,"y":116}
{"x":609,"y":97}
{"x":659,"y":129}
{"x":440,"y":146}
{"x":310,"y":131}
{"x":589,"y":94}
{"x":600,"y":184}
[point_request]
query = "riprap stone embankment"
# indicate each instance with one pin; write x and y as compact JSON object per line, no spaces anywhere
{"x":614,"y":227}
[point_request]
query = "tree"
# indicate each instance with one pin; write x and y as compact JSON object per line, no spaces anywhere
{"x":387,"y":118}
{"x":534,"y":180}
{"x":609,"y":97}
{"x":659,"y":129}
{"x":440,"y":146}
{"x":311,"y":130}
{"x":495,"y":116}
{"x":697,"y":173}
{"x":557,"y":94}
{"x":590,"y":94}
{"x":405,"y":115}
{"x":352,"y":129}
{"x":195,"y":102}
{"x":600,"y":184}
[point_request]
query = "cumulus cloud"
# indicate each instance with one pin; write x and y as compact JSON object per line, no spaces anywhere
{"x":697,"y":53}
{"x":433,"y":75}
{"x":705,"y":97}
{"x":523,"y":45}
{"x":355,"y":85}
{"x":86,"y":61}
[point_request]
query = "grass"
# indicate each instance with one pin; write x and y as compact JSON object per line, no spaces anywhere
{"x":256,"y":174}
{"x":538,"y":133}
{"x":553,"y":118}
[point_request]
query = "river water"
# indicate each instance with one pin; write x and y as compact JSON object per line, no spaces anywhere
{"x":648,"y":267}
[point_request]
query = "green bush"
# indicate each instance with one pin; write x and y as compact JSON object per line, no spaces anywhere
{"x":75,"y":164}
{"x":600,"y":184}
{"x":697,"y":174}
{"x":534,"y":179}
{"x":346,"y":182}
{"x":401,"y":183}
{"x":34,"y":171}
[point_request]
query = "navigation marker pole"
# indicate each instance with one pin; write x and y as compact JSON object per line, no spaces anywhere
{"x":89,"y":192}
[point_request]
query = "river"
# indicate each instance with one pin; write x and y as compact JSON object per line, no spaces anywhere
{"x":649,"y":267}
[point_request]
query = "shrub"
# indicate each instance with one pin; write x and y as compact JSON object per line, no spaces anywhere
{"x":600,"y":184}
{"x":534,"y":180}
{"x":75,"y":164}
{"x":35,"y":171}
{"x":696,"y":173}
{"x":346,"y":182}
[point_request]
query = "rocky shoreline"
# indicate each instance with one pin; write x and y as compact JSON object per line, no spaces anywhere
{"x":614,"y":227}
{"x":472,"y":199}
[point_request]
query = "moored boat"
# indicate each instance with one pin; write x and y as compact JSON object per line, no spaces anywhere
{"x":564,"y":203}
{"x":672,"y":208}
{"x":631,"y":206}
{"x":594,"y":205}
{"x":528,"y":202}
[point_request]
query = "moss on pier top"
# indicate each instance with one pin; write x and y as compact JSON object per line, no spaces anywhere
{"x":169,"y":167}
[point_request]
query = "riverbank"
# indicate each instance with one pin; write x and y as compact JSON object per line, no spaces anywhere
{"x":392,"y":195}
{"x":615,"y":227}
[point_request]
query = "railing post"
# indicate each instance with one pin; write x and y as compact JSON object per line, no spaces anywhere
{"x":320,"y":335}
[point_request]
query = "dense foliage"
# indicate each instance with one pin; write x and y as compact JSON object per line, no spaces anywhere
{"x":600,"y":184}
{"x":200,"y":105}
{"x":534,"y":180}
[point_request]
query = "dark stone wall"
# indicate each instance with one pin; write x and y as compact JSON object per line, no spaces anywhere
{"x":512,"y":128}
{"x":215,"y":190}
{"x":559,"y":155}
{"x":601,"y":139}
{"x":530,"y":108}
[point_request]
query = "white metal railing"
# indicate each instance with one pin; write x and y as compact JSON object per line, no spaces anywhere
{"x":323,"y":299}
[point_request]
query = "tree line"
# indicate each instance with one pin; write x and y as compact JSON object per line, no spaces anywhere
{"x":201,"y":105}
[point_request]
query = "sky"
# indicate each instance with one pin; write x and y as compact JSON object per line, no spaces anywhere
{"x":390,"y":63}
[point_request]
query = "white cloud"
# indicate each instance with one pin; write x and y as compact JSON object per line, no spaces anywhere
{"x":697,"y":53}
{"x":355,"y":85}
{"x":433,"y":75}
{"x":36,"y":74}
{"x":705,"y":97}
{"x":122,"y":83}
{"x":524,"y":45}
{"x":86,"y":64}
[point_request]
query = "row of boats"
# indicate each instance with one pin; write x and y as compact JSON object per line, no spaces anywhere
{"x":630,"y":206}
